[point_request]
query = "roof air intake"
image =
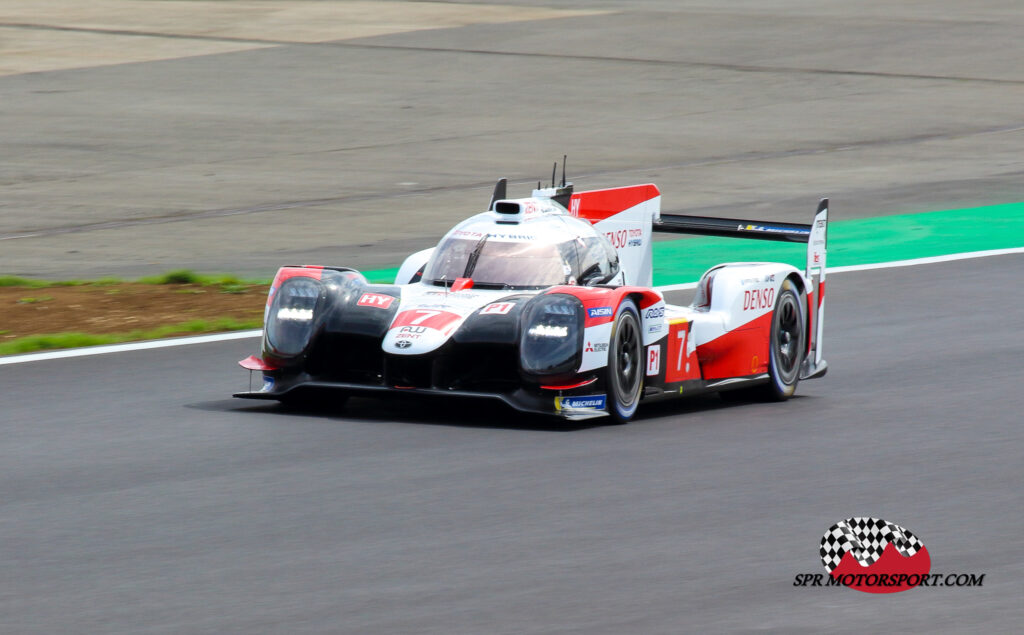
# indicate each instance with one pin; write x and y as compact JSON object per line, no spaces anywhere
{"x":507,"y":207}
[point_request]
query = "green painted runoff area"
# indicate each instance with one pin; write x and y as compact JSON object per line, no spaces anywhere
{"x":850,"y":242}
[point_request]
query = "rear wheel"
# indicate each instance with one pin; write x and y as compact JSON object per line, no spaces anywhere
{"x":788,"y":344}
{"x":625,"y":370}
{"x":786,"y":348}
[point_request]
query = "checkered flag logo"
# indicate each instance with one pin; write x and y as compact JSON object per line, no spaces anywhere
{"x":867,"y":539}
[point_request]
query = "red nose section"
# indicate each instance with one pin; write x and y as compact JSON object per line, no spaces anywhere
{"x":462,"y":283}
{"x":255,"y":363}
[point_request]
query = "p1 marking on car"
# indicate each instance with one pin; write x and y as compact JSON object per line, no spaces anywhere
{"x":545,"y":303}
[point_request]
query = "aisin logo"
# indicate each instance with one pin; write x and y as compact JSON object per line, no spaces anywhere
{"x":874,"y":556}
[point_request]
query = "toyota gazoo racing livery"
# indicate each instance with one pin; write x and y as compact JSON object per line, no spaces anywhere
{"x":545,"y":303}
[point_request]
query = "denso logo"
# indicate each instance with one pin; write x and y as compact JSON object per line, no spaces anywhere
{"x":600,"y":311}
{"x":375,"y":300}
{"x":758,"y":299}
{"x":654,"y":313}
{"x":625,"y":237}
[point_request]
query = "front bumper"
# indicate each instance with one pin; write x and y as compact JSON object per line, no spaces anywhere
{"x":545,"y":403}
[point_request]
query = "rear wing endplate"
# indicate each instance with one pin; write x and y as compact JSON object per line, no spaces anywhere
{"x":815,"y":235}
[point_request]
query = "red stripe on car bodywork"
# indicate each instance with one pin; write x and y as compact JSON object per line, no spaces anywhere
{"x":585,"y":382}
{"x":810,"y":320}
{"x":255,"y":363}
{"x":594,"y":297}
{"x":443,"y":321}
{"x":597,"y":205}
{"x":680,"y":365}
{"x":307,"y":271}
{"x":740,"y":352}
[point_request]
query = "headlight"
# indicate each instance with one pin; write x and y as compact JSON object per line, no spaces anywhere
{"x":546,"y":330}
{"x":552,"y":335}
{"x":290,"y":321}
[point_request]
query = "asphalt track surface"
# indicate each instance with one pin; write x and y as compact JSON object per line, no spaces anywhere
{"x":359,"y":151}
{"x":139,"y":498}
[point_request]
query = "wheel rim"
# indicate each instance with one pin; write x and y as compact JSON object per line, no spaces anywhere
{"x":626,"y":361}
{"x":789,"y":338}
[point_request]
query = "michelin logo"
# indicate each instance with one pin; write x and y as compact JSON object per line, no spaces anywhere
{"x":601,"y":311}
{"x":592,"y":402}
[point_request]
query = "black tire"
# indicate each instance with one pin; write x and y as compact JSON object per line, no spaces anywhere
{"x":788,"y":344}
{"x":625,"y":371}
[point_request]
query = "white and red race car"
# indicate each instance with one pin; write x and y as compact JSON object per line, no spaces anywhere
{"x":546,"y":304}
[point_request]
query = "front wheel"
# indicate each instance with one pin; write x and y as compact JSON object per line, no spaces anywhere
{"x":625,"y":369}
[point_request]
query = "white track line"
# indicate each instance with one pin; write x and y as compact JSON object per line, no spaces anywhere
{"x":892,"y":264}
{"x":239,"y":335}
{"x":967,"y":255}
{"x":130,"y":346}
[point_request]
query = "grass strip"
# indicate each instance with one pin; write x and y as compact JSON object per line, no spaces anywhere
{"x":30,"y":283}
{"x":187,"y":276}
{"x":52,"y":341}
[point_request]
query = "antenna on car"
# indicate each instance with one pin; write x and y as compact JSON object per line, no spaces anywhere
{"x":559,"y":193}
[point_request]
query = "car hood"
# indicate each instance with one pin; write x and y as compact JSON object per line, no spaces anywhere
{"x":428,"y":316}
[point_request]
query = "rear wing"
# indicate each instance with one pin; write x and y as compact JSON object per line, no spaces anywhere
{"x":732,"y":227}
{"x":814,"y":234}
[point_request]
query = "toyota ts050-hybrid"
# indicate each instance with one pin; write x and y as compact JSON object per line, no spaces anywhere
{"x":546,"y":303}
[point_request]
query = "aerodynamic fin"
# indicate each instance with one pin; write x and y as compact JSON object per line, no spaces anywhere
{"x":817,"y":246}
{"x":500,"y":192}
{"x":625,"y":215}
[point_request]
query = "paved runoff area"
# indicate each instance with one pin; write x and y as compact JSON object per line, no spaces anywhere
{"x":141,"y":136}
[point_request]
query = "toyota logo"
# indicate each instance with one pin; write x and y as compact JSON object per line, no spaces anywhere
{"x":403,"y":344}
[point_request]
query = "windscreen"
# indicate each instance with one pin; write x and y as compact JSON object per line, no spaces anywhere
{"x":503,"y":264}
